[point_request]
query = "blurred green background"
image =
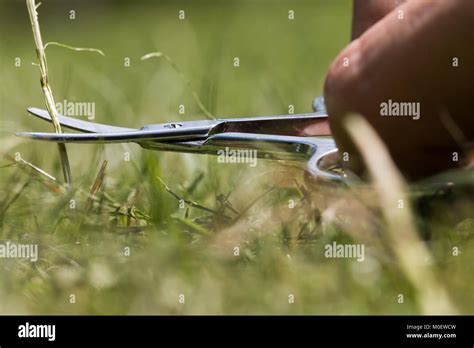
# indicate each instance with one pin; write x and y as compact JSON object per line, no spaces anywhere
{"x":135,"y":250}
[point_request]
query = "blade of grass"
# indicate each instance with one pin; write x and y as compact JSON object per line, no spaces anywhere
{"x":224,"y":201}
{"x":99,"y":180}
{"x":47,"y":91}
{"x":36,"y":169}
{"x":192,"y":225}
{"x":185,"y":80}
{"x":51,"y":183}
{"x":190,"y":189}
{"x":73,"y":48}
{"x":252,"y":203}
{"x":188,"y":202}
{"x":408,"y":247}
{"x":13,"y":200}
{"x":27,"y":164}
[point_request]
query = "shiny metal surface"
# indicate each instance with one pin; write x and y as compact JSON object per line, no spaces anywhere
{"x":273,"y":137}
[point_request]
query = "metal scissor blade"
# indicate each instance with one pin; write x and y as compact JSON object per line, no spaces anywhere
{"x":291,"y":125}
{"x":122,"y":137}
{"x":276,"y":124}
{"x":74,"y":123}
{"x":101,"y":133}
{"x":284,"y":137}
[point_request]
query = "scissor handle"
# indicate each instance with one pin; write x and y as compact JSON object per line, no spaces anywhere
{"x":319,"y":153}
{"x":322,"y":165}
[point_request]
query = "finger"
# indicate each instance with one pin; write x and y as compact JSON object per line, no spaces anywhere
{"x":367,"y":12}
{"x":320,"y":127}
{"x":409,"y":57}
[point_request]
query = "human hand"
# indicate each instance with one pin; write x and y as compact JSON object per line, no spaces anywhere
{"x":419,"y":52}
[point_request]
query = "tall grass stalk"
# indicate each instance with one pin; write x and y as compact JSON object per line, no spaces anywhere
{"x":414,"y":257}
{"x":176,"y":68}
{"x":47,"y":91}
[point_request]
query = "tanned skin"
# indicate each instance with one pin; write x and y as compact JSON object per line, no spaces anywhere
{"x":405,"y":51}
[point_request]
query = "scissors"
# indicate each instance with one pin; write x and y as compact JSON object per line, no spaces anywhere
{"x":273,"y":137}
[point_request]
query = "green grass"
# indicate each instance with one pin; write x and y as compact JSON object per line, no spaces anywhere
{"x":190,"y":251}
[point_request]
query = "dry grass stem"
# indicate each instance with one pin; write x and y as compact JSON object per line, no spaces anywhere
{"x":47,"y":92}
{"x":73,"y":48}
{"x":415,"y":259}
{"x":98,"y":182}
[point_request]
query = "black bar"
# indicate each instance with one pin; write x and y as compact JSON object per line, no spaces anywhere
{"x":222,"y":330}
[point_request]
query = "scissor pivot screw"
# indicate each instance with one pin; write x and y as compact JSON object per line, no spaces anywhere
{"x":173,"y":125}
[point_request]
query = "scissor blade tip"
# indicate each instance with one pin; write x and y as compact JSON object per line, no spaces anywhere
{"x":24,"y":134}
{"x":32,"y":109}
{"x":37,"y":111}
{"x":34,"y":135}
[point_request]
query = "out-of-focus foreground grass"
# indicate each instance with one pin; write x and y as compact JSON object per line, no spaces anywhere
{"x":135,"y":249}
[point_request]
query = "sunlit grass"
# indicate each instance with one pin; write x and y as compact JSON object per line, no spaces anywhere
{"x":135,"y":206}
